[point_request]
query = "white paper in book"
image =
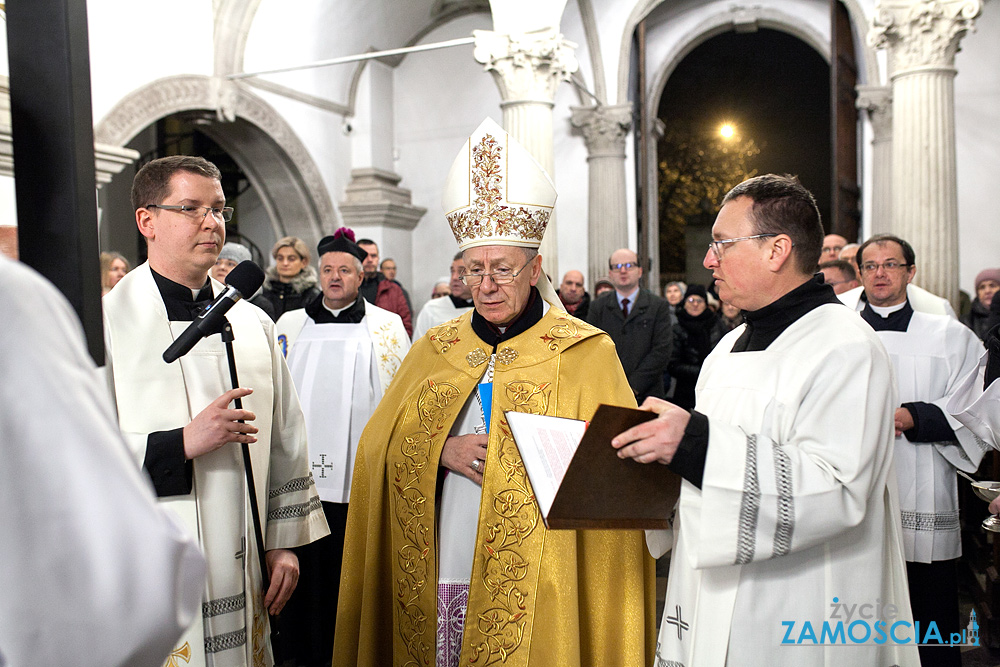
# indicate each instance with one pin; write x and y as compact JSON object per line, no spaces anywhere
{"x":547,"y":445}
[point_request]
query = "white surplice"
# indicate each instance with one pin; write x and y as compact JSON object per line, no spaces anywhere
{"x":93,"y":572}
{"x":435,"y":312}
{"x":920,"y":300}
{"x":798,"y":501}
{"x":930,"y":359}
{"x":978,"y":409}
{"x":340,"y":372}
{"x":154,"y":396}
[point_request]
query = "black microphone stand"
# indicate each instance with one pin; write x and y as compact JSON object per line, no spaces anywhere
{"x":227,"y":338}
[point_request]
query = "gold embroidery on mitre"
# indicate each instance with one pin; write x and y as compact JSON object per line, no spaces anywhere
{"x":488,"y":217}
{"x":506,"y":356}
{"x":564,"y":329}
{"x":477,"y":357}
{"x":445,"y":336}
{"x":413,"y":526}
{"x":183,"y":652}
{"x":511,"y":542}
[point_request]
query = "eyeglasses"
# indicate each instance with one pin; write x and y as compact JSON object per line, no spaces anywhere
{"x":225,"y":213}
{"x":891,"y":265}
{"x":717,"y":246}
{"x":628,"y":266}
{"x":499,"y":277}
{"x":695,"y":299}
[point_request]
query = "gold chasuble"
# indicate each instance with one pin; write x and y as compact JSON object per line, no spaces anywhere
{"x":538,"y":597}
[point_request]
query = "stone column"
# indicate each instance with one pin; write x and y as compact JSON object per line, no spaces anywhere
{"x":877,"y":101}
{"x":922,"y":37}
{"x":605,"y":129}
{"x":527,"y":69}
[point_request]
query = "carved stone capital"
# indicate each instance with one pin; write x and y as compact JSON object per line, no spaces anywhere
{"x":877,"y":101}
{"x":604,"y":128}
{"x":527,"y":68}
{"x":922,"y":33}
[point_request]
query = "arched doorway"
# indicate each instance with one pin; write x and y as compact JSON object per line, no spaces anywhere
{"x":737,"y":104}
{"x":283,"y":190}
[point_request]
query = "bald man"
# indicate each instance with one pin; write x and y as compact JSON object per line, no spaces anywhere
{"x":574,"y":297}
{"x":832,"y":245}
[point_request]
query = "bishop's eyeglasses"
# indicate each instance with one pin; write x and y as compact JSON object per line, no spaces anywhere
{"x":499,"y":277}
{"x":718,"y":246}
{"x":198,"y":213}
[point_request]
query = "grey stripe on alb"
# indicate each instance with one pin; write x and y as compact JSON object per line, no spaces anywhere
{"x":749,"y":506}
{"x":786,"y":502}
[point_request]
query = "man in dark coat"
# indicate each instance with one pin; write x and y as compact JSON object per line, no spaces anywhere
{"x":379,"y":290}
{"x":638,"y":322}
{"x":574,"y":297}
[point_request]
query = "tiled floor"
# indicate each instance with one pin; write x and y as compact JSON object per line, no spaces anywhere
{"x":971,"y":657}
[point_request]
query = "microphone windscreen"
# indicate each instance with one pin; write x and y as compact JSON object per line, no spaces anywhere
{"x":246,"y":277}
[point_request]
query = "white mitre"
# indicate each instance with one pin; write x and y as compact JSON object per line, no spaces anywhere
{"x":497,"y":194}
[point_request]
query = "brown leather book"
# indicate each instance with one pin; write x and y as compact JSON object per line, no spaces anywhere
{"x":600,"y":490}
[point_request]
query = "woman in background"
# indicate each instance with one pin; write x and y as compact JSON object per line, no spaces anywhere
{"x":113,"y":268}
{"x":697,"y":331}
{"x":291,"y":283}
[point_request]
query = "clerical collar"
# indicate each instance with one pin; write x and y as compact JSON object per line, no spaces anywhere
{"x":461,"y":303}
{"x":896,"y":318}
{"x":767,"y":323}
{"x":352,"y":314}
{"x":491,"y":334}
{"x":181,"y":304}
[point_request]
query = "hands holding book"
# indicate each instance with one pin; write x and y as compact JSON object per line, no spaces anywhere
{"x":466,"y":455}
{"x":657,"y":439}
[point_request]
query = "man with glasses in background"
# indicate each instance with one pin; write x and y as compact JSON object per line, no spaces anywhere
{"x":931,"y":354}
{"x":179,"y":424}
{"x":638,"y":322}
{"x":446,"y":559}
{"x":788,"y":503}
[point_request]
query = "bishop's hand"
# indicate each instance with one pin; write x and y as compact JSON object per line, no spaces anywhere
{"x":657,"y":439}
{"x":283,"y":569}
{"x":466,"y":455}
{"x":218,"y":424}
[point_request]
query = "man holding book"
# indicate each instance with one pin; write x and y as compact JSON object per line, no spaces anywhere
{"x":789,"y":505}
{"x":446,"y":558}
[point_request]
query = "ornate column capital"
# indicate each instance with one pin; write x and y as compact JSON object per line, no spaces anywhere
{"x":921,"y":33}
{"x":877,"y":101}
{"x":604,"y":128}
{"x":527,"y":67}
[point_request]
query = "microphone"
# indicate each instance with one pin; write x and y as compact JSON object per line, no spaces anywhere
{"x":244,"y":280}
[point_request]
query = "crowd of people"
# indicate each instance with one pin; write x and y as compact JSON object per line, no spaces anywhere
{"x":362,"y":478}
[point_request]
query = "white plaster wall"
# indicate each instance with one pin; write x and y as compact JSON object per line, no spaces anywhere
{"x":977,"y":135}
{"x":134,"y":43}
{"x":441,"y":97}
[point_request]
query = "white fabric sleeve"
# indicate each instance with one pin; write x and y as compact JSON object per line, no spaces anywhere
{"x":94,"y":572}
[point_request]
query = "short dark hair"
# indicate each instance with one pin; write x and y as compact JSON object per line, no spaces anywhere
{"x":782,"y":205}
{"x":458,"y":256}
{"x":909,"y":256}
{"x":846,"y":268}
{"x":152,"y":182}
{"x":366,"y":242}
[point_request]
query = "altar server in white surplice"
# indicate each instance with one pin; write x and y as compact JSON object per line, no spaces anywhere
{"x":438,"y":311}
{"x":789,"y":503}
{"x":178,"y":421}
{"x":93,"y":572}
{"x":931,"y":354}
{"x":342,"y":352}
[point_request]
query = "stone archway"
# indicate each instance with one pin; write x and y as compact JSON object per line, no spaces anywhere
{"x":739,"y":19}
{"x":266,"y":148}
